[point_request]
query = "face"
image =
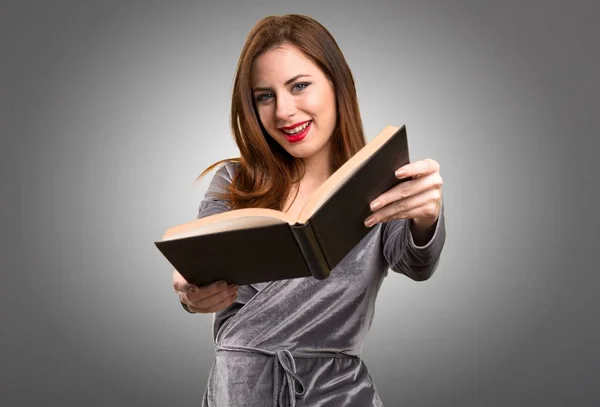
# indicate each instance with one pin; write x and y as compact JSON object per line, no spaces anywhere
{"x":295,"y":102}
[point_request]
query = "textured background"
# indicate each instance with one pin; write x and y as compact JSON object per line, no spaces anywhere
{"x":109,"y":110}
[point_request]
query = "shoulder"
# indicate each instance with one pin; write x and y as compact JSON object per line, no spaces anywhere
{"x":227,"y":170}
{"x":223,"y":177}
{"x":221,"y":180}
{"x":213,"y":202}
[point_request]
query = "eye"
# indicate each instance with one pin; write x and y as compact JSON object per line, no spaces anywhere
{"x":301,"y":85}
{"x":263,"y":97}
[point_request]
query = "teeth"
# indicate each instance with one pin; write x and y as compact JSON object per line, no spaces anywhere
{"x":297,"y":129}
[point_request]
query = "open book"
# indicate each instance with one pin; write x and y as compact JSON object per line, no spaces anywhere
{"x":253,"y":245}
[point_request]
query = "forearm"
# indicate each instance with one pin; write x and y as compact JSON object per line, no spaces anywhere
{"x":416,"y":254}
{"x":422,"y":234}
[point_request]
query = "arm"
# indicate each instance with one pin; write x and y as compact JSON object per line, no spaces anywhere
{"x":418,"y":262}
{"x":211,"y":205}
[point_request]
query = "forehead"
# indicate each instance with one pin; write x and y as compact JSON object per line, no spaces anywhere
{"x":280,"y":64}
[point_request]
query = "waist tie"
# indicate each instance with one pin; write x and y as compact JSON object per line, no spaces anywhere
{"x":292,"y":385}
{"x":290,"y":378}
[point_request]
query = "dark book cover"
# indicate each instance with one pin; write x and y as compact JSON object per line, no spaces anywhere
{"x":284,"y":251}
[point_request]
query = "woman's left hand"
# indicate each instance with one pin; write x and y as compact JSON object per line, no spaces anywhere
{"x":418,"y":199}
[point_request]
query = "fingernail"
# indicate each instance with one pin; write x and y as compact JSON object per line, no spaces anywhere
{"x":232,"y":287}
{"x":375,"y":205}
{"x":369,"y":222}
{"x":400,"y":173}
{"x":222,"y":284}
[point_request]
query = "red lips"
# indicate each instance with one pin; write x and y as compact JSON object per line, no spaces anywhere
{"x":293,"y":126}
{"x":298,"y":136}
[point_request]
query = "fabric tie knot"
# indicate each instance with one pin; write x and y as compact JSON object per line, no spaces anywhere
{"x":285,"y":359}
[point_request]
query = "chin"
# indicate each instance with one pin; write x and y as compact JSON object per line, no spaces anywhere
{"x":301,"y":151}
{"x":304,"y":149}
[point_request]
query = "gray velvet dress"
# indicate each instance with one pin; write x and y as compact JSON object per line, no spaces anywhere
{"x":298,"y":342}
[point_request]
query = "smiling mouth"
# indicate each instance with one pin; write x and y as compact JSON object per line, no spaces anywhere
{"x":297,"y":133}
{"x":296,"y":128}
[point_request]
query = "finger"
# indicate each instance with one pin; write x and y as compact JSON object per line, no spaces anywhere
{"x":418,"y":169}
{"x":403,"y":208}
{"x":178,"y":282}
{"x":224,"y":303}
{"x":206,"y":302}
{"x":180,"y":285}
{"x":185,"y":288}
{"x":429,"y":210}
{"x":400,"y":209}
{"x":198,"y":293}
{"x":407,"y":189}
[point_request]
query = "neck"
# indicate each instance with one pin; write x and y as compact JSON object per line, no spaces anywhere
{"x":317,"y":168}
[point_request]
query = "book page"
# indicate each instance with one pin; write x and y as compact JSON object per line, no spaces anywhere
{"x":231,"y":220}
{"x":337,"y":179}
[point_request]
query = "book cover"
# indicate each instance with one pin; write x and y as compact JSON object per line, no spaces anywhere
{"x":254,"y":245}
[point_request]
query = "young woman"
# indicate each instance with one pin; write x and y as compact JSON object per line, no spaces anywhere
{"x":296,"y":120}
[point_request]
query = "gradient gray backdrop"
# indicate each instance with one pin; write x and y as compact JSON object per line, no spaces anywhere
{"x":109,"y":110}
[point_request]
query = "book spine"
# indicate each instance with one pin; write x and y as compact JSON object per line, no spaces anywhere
{"x":311,"y":250}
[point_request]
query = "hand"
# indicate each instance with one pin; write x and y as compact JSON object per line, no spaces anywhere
{"x":211,"y":298}
{"x":418,"y":199}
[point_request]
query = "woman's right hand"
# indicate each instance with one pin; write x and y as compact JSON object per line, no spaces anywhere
{"x":205,"y":299}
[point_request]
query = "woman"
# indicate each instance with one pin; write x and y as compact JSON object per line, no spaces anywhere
{"x":296,"y":120}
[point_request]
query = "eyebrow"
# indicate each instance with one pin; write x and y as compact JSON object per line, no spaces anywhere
{"x":289,"y":81}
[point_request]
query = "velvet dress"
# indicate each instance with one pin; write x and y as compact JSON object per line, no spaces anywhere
{"x":298,"y":342}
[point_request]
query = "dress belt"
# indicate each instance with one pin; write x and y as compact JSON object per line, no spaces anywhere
{"x":292,"y":386}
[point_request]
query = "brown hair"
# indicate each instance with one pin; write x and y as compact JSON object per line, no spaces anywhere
{"x":266,"y":172}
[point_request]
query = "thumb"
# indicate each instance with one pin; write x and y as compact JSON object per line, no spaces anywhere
{"x":180,"y":284}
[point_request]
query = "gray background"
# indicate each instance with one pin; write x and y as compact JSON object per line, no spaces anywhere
{"x":109,"y":110}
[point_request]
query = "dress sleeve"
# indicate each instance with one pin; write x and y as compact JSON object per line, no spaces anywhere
{"x":211,"y":204}
{"x":404,"y":256}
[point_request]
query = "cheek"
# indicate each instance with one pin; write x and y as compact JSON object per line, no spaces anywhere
{"x":314,"y":104}
{"x":323,"y":104}
{"x":264,"y":117}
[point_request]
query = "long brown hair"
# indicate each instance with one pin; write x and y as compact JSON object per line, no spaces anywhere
{"x":266,"y":172}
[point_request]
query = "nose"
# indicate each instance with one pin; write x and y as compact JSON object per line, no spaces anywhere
{"x":285,"y":107}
